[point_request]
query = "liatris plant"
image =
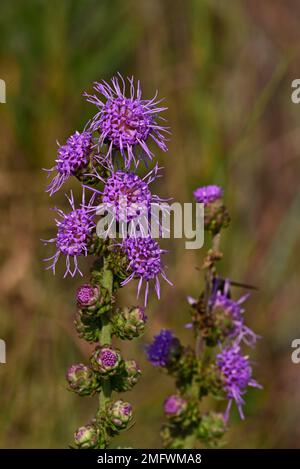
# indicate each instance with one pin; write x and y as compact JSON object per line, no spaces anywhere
{"x":104,"y":158}
{"x":216,"y":366}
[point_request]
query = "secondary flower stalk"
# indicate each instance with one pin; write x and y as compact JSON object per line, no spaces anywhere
{"x":216,"y":366}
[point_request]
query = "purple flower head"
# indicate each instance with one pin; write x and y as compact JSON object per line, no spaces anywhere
{"x":126,"y":122}
{"x":130,"y":187}
{"x":127,"y":198}
{"x":164,"y":346}
{"x":234,"y":310}
{"x":73,"y":232}
{"x":174,"y":405}
{"x":72,"y":157}
{"x":87,"y":294}
{"x":108,"y":357}
{"x":144,"y":257}
{"x":208,"y":194}
{"x":236,"y":372}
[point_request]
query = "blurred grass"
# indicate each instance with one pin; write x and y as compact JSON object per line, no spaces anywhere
{"x":225,"y":70}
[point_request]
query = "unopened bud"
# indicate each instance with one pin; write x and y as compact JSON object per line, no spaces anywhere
{"x":86,"y":437}
{"x":106,"y":360}
{"x":81,"y":379}
{"x":119,"y":415}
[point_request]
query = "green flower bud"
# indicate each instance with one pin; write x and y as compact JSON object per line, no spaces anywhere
{"x":128,"y":378}
{"x":106,"y":360}
{"x":216,"y":216}
{"x":88,"y":328}
{"x":82,"y":379}
{"x":212,"y":427}
{"x":129,"y":322}
{"x":86,"y":437}
{"x":119,"y":415}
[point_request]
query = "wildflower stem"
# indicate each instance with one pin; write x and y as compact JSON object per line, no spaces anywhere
{"x":105,"y":334}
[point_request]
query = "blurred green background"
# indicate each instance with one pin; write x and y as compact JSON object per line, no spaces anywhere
{"x":225,"y":69}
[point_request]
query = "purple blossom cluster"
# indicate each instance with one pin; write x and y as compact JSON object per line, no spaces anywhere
{"x":123,"y":124}
{"x":235,"y":368}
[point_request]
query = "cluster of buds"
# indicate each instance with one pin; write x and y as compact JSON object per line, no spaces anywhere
{"x":217,"y":366}
{"x":116,"y":417}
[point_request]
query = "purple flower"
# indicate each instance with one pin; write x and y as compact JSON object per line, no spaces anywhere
{"x":237,"y":376}
{"x":127,"y":194}
{"x":72,"y":157}
{"x":208,"y":194}
{"x":235,"y":312}
{"x":127,"y":197}
{"x":73,"y":231}
{"x":126,"y":122}
{"x":174,"y":406}
{"x":144,"y":257}
{"x":162,"y":348}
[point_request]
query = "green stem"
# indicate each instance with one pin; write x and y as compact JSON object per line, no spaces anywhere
{"x":105,"y":335}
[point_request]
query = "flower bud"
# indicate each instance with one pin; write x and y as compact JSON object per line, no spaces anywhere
{"x":87,"y":295}
{"x":129,"y":322}
{"x":215,"y":213}
{"x":212,"y":426}
{"x":86,"y":437}
{"x":81,"y":379}
{"x":133,"y":372}
{"x":88,"y":328}
{"x":106,"y":360}
{"x":93,"y":301}
{"x":119,"y":415}
{"x":175,"y":407}
{"x":89,"y":300}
